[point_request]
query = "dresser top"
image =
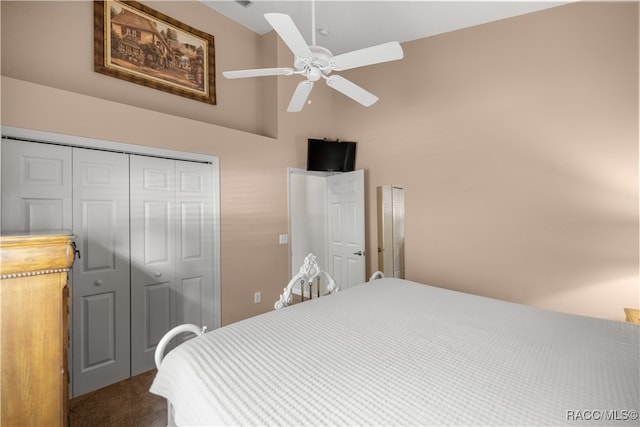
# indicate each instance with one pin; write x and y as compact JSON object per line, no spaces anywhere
{"x":28,"y":234}
{"x":35,"y":252}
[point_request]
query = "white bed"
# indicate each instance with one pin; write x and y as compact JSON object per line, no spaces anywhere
{"x":395,"y":352}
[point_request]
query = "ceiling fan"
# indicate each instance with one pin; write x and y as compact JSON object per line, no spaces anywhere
{"x":315,"y":62}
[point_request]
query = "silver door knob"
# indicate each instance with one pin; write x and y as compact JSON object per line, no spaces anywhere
{"x":98,"y":282}
{"x":158,"y":274}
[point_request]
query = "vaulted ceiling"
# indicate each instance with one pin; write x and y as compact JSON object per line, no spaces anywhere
{"x":352,"y":25}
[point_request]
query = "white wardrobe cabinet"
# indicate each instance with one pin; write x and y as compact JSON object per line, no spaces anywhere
{"x":144,"y":229}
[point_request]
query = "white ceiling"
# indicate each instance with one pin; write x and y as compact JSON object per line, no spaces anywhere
{"x":357,"y":24}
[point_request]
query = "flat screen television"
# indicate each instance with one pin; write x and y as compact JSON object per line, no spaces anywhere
{"x":331,"y":156}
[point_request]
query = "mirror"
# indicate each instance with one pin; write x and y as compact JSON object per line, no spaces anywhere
{"x":391,"y":230}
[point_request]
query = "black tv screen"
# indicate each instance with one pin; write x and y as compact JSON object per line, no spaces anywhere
{"x":331,"y":156}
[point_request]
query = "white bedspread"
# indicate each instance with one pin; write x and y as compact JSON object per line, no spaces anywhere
{"x":394,"y":352}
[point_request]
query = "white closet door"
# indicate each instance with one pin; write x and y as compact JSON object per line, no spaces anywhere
{"x":144,"y":226}
{"x":36,"y":186}
{"x":100,"y":315}
{"x":194,"y":235}
{"x":153,"y":256}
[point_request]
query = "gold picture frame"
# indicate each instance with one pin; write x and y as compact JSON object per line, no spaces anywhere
{"x":141,"y":45}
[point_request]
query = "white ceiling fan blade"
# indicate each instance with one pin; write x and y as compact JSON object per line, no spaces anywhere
{"x":391,"y":51}
{"x":300,"y":96}
{"x":352,"y":90}
{"x":258,"y":72}
{"x":289,"y":33}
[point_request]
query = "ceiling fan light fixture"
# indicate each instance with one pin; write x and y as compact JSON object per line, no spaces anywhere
{"x":314,"y":74}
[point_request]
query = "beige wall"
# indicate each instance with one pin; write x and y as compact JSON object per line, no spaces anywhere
{"x":516,"y":141}
{"x":51,"y":43}
{"x":517,"y":145}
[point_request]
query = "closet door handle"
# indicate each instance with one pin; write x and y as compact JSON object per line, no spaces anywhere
{"x":98,"y":282}
{"x":157,"y":274}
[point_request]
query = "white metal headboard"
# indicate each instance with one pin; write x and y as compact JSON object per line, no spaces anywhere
{"x":308,"y":272}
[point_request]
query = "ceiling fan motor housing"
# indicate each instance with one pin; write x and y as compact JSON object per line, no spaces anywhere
{"x":319,"y":62}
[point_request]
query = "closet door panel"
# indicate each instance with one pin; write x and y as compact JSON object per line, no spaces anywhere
{"x":191,"y":296}
{"x":153,"y":257}
{"x":36,"y":186}
{"x":158,"y":231}
{"x":101,"y":302}
{"x":98,"y":316}
{"x":157,"y":304}
{"x":192,"y":228}
{"x":43,"y":214}
{"x":194,"y":190}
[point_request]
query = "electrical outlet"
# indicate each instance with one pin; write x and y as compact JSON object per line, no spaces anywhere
{"x":284,"y":239}
{"x":257,"y":298}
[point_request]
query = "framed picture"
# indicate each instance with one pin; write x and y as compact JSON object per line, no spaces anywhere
{"x":136,"y":43}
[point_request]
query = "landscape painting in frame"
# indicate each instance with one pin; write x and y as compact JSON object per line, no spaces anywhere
{"x":136,"y":43}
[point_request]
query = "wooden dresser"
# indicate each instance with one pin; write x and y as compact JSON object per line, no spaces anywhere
{"x":33,"y":333}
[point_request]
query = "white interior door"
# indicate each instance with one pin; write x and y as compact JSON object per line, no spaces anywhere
{"x":153,"y":257}
{"x":36,"y":186}
{"x":100,"y":318}
{"x":346,"y":228}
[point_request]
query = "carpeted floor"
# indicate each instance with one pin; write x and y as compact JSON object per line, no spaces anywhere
{"x":127,"y":403}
